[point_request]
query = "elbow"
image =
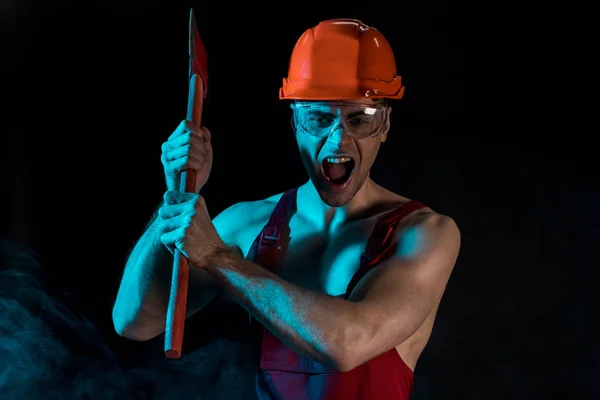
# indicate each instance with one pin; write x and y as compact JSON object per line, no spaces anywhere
{"x":342,"y":362}
{"x":346,"y":360}
{"x":351,"y":348}
{"x":132,"y":333}
{"x":342,"y":356}
{"x":122,"y":330}
{"x":358,"y":352}
{"x":345,"y":365}
{"x":131,"y":330}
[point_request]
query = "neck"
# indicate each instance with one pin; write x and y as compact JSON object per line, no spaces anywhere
{"x":323,"y":214}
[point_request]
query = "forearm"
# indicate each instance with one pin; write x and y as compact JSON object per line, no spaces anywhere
{"x":319,"y":326}
{"x":142,"y":298}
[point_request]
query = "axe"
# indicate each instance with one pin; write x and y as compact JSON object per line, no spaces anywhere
{"x":198,"y":82}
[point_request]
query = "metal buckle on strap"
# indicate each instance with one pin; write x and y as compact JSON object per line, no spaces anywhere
{"x":271,"y":236}
{"x":382,"y":234}
{"x":377,"y":241}
{"x":366,"y":258}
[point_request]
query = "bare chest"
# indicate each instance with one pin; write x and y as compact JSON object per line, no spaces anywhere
{"x":316,"y":260}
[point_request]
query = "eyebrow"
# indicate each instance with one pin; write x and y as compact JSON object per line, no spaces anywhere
{"x":368,"y":110}
{"x":320,"y":111}
{"x":362,"y":112}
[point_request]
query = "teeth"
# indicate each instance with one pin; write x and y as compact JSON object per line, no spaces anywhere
{"x":337,"y":160}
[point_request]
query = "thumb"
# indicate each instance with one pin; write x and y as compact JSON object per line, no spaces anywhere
{"x":201,"y":206}
{"x":177,"y":197}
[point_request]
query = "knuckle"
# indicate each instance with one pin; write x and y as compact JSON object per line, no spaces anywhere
{"x":190,"y":125}
{"x":196,"y":139}
{"x":176,"y":165}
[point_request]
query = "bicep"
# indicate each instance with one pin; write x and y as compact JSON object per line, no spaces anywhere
{"x":397,"y":296}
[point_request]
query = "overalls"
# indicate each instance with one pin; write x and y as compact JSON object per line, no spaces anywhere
{"x":282,"y":373}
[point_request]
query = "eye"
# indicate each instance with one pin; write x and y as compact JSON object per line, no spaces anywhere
{"x":360,"y":121}
{"x":321,"y":119}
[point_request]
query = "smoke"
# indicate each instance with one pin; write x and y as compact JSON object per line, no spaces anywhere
{"x":46,"y":350}
{"x":50,"y":351}
{"x":216,"y":371}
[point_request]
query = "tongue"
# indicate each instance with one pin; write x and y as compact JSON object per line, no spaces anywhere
{"x":335,"y":171}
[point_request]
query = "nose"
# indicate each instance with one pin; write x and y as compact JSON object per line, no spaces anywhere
{"x":338,"y":135}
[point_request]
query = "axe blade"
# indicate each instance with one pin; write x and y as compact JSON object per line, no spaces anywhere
{"x":198,"y":55}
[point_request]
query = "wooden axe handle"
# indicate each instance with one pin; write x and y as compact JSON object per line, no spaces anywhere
{"x":176,"y":311}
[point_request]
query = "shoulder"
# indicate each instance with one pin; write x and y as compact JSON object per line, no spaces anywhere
{"x":245,"y":212}
{"x":425,"y":219}
{"x":244,"y":215}
{"x":427,"y":232}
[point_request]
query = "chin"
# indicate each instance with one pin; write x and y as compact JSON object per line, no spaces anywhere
{"x":338,"y":197}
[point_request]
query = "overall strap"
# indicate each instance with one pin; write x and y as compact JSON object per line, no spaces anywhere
{"x":380,"y":241}
{"x":272,"y":242}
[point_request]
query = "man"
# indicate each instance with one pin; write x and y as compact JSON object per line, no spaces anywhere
{"x":341,"y":277}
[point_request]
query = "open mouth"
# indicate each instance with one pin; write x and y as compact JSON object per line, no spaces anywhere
{"x":338,"y":170}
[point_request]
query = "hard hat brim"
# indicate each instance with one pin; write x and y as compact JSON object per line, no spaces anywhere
{"x":365,"y":89}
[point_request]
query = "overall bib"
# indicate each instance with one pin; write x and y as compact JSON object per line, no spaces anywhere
{"x":282,"y":373}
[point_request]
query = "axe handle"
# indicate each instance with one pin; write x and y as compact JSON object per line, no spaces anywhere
{"x":176,"y":311}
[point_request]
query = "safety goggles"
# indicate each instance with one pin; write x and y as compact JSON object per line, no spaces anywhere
{"x":321,"y":119}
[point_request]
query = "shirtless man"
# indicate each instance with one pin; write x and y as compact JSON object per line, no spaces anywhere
{"x":341,"y":277}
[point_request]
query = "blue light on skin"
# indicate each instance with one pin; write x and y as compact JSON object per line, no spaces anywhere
{"x":364,"y":151}
{"x":412,"y":243}
{"x":340,"y":275}
{"x":269,"y":295}
{"x":272,"y":299}
{"x":410,"y":246}
{"x":292,"y":312}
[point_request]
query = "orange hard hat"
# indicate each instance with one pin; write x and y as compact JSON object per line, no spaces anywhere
{"x":341,"y":59}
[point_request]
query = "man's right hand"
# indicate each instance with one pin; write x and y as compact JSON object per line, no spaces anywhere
{"x":188,"y":147}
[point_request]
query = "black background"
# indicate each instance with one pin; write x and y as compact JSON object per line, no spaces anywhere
{"x":90,"y":91}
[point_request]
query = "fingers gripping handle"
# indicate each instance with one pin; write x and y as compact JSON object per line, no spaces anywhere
{"x":176,"y":311}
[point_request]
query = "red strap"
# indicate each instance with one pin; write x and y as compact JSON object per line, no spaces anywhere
{"x":275,"y":236}
{"x":378,"y":245}
{"x":382,"y":232}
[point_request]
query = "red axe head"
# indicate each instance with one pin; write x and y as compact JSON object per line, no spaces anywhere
{"x":198,"y":56}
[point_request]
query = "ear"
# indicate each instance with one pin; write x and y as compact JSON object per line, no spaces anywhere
{"x":383,"y":136}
